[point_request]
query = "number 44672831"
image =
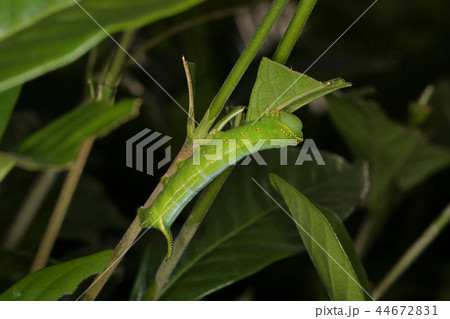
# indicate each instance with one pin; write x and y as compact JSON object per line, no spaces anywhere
{"x":407,"y":310}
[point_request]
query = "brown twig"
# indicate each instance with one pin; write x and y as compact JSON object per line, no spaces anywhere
{"x":59,"y":213}
{"x":29,"y":208}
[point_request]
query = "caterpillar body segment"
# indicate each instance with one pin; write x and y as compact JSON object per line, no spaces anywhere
{"x":211,"y":157}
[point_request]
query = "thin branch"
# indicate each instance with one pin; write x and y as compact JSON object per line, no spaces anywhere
{"x":105,"y":93}
{"x":413,"y":252}
{"x":240,"y":67}
{"x":29,"y":208}
{"x":293,"y":31}
{"x":59,"y":213}
{"x":127,"y":240}
{"x":191,"y":119}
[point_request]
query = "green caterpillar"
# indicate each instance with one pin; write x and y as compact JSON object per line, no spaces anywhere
{"x":272,"y":131}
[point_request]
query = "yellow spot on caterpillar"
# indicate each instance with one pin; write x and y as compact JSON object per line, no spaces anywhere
{"x":225,"y":141}
{"x":258,"y":130}
{"x":242,"y":134}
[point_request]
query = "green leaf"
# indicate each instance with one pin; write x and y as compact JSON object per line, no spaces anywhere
{"x":326,"y":251}
{"x":18,"y":14}
{"x":336,"y":185}
{"x":279,"y":87}
{"x":238,"y":245}
{"x":6,"y":165}
{"x":57,"y":144}
{"x":243,"y":234}
{"x":424,"y":162}
{"x":342,"y":189}
{"x":8,"y":100}
{"x":370,"y":135}
{"x":399,"y":157}
{"x":59,"y":34}
{"x":53,"y":282}
{"x":348,"y":246}
{"x":151,"y":259}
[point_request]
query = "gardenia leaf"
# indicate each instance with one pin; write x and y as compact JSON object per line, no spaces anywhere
{"x":399,"y":157}
{"x":8,"y":100}
{"x":53,"y":282}
{"x":279,"y":87}
{"x":49,"y":35}
{"x":19,"y":14}
{"x":322,"y":243}
{"x":57,"y":144}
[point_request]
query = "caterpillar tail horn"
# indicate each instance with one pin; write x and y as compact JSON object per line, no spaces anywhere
{"x":168,"y":234}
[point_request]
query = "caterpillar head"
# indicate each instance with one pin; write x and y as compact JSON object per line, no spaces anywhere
{"x":292,"y":122}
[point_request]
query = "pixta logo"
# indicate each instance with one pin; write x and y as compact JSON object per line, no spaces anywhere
{"x":140,"y":150}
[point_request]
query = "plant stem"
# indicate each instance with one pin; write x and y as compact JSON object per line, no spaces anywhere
{"x":293,"y":31}
{"x":29,"y":208}
{"x":371,"y":228}
{"x":105,"y":93}
{"x":57,"y":218}
{"x":122,"y":247}
{"x":365,"y":237}
{"x":240,"y":67}
{"x":187,"y":232}
{"x":413,"y":252}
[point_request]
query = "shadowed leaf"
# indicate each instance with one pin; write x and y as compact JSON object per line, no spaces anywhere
{"x":45,"y":35}
{"x":279,"y":87}
{"x":57,"y":144}
{"x":53,"y":282}
{"x":323,"y":244}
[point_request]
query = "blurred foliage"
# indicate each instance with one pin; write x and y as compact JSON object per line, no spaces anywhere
{"x":53,"y":282}
{"x":70,"y":29}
